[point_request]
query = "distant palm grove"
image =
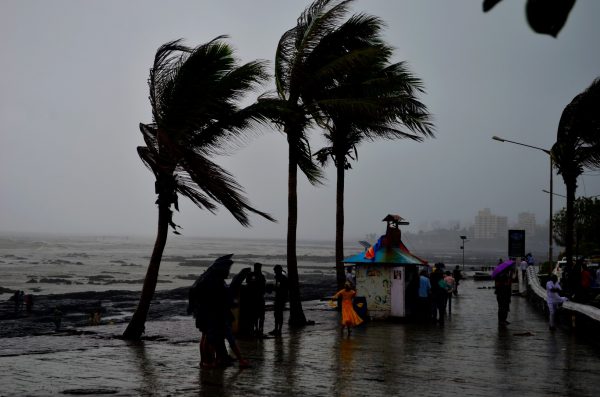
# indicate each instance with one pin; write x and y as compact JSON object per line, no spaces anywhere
{"x":332,"y":70}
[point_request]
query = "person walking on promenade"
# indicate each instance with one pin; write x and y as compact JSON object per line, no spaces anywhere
{"x":349,"y":317}
{"x":450,"y":286}
{"x":523,"y":266}
{"x":424,"y":305}
{"x":503,"y":286}
{"x":281,"y":296}
{"x":554,"y":300}
{"x":457,"y":275}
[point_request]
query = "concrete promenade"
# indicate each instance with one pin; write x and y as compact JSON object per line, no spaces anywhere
{"x":470,"y":356}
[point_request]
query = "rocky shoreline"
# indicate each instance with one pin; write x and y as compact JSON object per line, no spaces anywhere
{"x":116,"y":306}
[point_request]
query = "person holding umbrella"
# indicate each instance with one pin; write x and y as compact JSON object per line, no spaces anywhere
{"x":209,"y":302}
{"x":503,"y":275}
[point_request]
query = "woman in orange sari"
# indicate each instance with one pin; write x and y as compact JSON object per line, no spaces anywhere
{"x":349,"y":317}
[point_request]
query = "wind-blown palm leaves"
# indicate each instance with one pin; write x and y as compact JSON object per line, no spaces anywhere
{"x":373,"y":100}
{"x":195,"y":94}
{"x":329,"y":66}
{"x":309,"y":55}
{"x":577,"y":148}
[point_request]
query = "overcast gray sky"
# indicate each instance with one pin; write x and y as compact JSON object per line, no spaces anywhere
{"x":73,"y":88}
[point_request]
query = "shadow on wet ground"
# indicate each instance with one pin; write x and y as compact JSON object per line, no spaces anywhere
{"x":470,"y":356}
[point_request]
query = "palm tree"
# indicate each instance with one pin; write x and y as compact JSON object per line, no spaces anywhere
{"x":577,"y":148}
{"x":374,"y":101}
{"x":194,"y":93}
{"x":309,"y":56}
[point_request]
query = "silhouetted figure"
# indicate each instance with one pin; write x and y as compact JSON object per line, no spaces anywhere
{"x":439,"y":294}
{"x":243,"y":363}
{"x":15,"y":298}
{"x":256,"y":284}
{"x":57,"y":319}
{"x":503,"y":286}
{"x":280,"y":289}
{"x":209,"y":301}
{"x":457,"y":275}
{"x":28,"y":303}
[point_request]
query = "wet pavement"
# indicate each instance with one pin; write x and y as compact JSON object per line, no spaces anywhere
{"x":470,"y":356}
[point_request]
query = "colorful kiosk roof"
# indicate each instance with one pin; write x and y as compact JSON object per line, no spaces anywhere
{"x":389,"y":249}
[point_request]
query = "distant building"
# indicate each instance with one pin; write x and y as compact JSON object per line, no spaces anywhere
{"x":527,"y":223}
{"x":489,"y":226}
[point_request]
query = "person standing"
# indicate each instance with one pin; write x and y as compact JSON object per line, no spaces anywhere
{"x":424,"y":306}
{"x":281,"y":296}
{"x":450,"y":286}
{"x":439,"y":294}
{"x":523,"y":266}
{"x":586,"y":283}
{"x":256,"y":293}
{"x":209,"y":302}
{"x":350,"y":277}
{"x":457,"y":275}
{"x":554,"y":300}
{"x":503,"y":286}
{"x":349,"y":317}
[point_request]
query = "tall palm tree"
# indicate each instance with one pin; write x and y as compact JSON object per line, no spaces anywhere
{"x":577,"y":148}
{"x":194,"y":94}
{"x":376,"y":100}
{"x":309,"y":56}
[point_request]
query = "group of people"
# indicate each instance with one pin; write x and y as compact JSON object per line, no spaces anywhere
{"x":554,"y":291}
{"x":435,"y":292}
{"x":20,"y":299}
{"x":211,"y":301}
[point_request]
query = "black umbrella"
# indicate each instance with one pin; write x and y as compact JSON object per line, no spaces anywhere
{"x":220,"y":267}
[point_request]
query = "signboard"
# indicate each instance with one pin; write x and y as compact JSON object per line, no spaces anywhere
{"x":516,"y":243}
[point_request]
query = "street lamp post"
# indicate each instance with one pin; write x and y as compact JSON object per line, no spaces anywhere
{"x":462,"y":247}
{"x":549,"y":153}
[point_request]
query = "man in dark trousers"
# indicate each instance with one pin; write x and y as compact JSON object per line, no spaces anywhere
{"x":281,"y":295}
{"x":256,"y":283}
{"x":503,"y":292}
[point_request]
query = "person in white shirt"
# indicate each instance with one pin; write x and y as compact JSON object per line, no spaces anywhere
{"x":523,"y":266}
{"x":554,"y":300}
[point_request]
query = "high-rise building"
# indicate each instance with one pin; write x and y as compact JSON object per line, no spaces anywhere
{"x":527,"y":223}
{"x":489,"y":226}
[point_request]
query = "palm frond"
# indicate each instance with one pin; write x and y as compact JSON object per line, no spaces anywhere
{"x":220,"y":186}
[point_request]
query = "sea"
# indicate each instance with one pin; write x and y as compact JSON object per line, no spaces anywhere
{"x":59,"y":264}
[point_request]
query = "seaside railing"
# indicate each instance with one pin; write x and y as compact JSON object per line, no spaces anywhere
{"x":534,"y":285}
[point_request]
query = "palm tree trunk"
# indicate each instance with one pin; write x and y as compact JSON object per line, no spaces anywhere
{"x":297,"y":317}
{"x":339,"y":223}
{"x":136,"y":326}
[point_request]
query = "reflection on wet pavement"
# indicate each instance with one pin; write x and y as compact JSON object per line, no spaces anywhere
{"x":470,"y":356}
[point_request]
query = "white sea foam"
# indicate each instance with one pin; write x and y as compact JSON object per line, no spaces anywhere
{"x":76,"y":264}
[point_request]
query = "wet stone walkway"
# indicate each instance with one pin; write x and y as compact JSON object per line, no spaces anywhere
{"x":470,"y":356}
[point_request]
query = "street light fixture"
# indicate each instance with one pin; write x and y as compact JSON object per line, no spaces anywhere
{"x":549,"y":153}
{"x":462,"y":247}
{"x":556,"y":194}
